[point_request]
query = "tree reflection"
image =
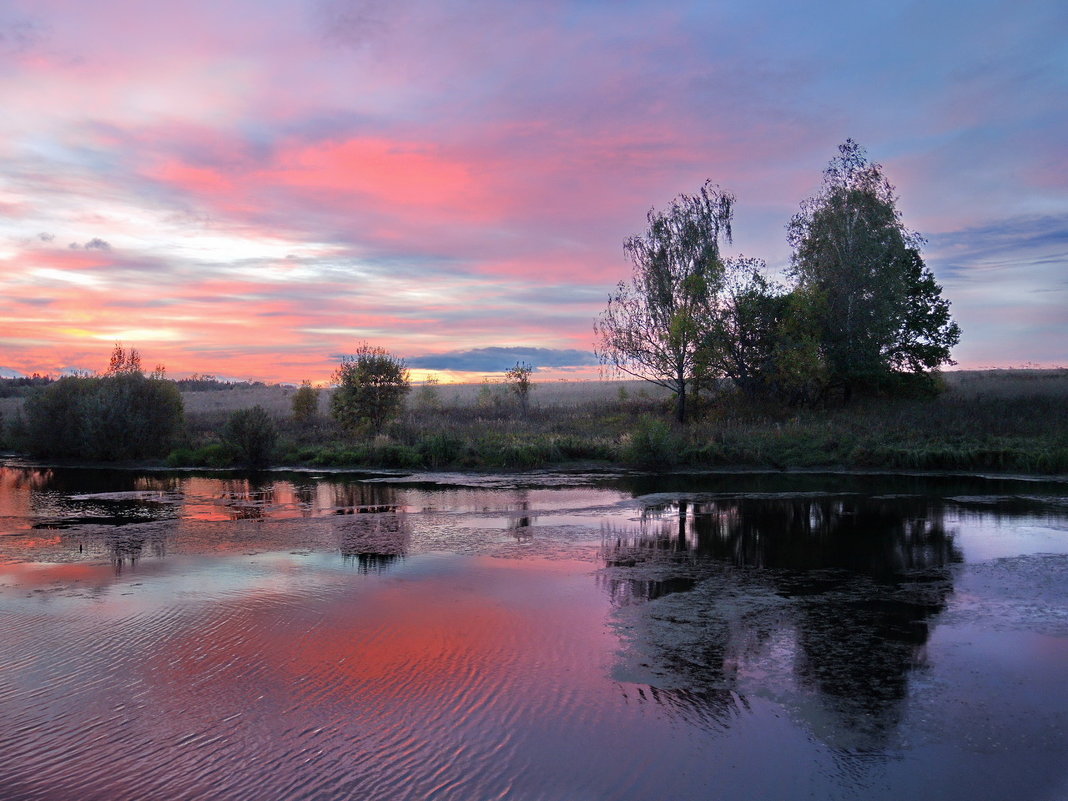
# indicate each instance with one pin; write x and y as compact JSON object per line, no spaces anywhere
{"x":360,"y":498}
{"x":123,"y":545}
{"x":374,"y":537}
{"x":845,"y":586}
{"x":247,"y":499}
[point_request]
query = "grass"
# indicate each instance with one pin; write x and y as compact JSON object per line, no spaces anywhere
{"x":995,"y":420}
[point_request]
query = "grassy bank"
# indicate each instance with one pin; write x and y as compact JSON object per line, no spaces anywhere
{"x":1004,"y":420}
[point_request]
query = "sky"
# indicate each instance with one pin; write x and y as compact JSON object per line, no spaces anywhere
{"x":252,"y":188}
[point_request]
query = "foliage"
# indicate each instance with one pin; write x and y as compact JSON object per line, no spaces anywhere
{"x":652,"y":444}
{"x":23,"y":386}
{"x":653,"y":326}
{"x":490,"y":396}
{"x":763,"y":337}
{"x":121,"y":415}
{"x":253,"y":434}
{"x":215,"y":455}
{"x":305,"y":403}
{"x":440,"y":449}
{"x":124,"y":361}
{"x":371,"y":386}
{"x":880,"y":309}
{"x":745,"y":326}
{"x":519,"y":382}
{"x":1013,"y":420}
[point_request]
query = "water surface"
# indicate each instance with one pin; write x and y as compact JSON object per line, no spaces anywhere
{"x":776,"y":636}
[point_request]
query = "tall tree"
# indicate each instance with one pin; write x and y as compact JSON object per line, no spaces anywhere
{"x":881,"y":310}
{"x":654,"y":325}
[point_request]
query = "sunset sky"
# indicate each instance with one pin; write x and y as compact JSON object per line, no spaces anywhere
{"x":251,"y":188}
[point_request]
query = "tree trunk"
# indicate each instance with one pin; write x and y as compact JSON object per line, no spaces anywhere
{"x":680,"y":405}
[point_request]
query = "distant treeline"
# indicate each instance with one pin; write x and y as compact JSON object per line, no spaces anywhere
{"x":209,"y":383}
{"x":23,"y":386}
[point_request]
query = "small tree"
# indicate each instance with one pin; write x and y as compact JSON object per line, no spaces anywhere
{"x":429,"y":397}
{"x":371,"y":386}
{"x":125,"y":361}
{"x":253,"y":433}
{"x":305,"y":403}
{"x":519,"y":382}
{"x":654,"y":325}
{"x":743,"y":327}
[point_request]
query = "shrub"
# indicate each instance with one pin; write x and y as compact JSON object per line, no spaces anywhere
{"x":440,"y":449}
{"x":371,"y":386}
{"x":253,"y":434}
{"x":653,"y":444}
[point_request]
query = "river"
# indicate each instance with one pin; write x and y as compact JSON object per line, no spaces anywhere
{"x":175,"y":635}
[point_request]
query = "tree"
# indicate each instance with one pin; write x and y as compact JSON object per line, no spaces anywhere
{"x":761,"y":336}
{"x":110,"y":417}
{"x":125,"y":361}
{"x":519,"y":382}
{"x":881,"y":310}
{"x":654,"y":325}
{"x":371,"y":386}
{"x":744,"y":327}
{"x":305,"y":403}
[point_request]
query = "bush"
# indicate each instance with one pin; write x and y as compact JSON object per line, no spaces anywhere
{"x":113,"y":417}
{"x":440,"y":449}
{"x":653,"y":444}
{"x":371,"y":386}
{"x":253,"y":434}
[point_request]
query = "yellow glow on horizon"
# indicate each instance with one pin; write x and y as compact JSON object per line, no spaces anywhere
{"x":135,"y":335}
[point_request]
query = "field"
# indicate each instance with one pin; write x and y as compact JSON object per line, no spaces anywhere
{"x":999,"y":420}
{"x":1002,"y":420}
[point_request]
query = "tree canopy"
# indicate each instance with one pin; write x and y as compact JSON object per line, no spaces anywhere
{"x":880,"y":310}
{"x":121,"y":414}
{"x":370,"y":388}
{"x":653,"y":325}
{"x":861,"y":311}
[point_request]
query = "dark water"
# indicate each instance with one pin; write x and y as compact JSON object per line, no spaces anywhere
{"x":174,"y":636}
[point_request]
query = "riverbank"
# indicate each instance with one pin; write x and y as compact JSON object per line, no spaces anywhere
{"x":1011,"y":421}
{"x":1006,"y":421}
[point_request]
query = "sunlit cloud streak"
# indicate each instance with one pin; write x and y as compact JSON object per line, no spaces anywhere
{"x":250,"y":188}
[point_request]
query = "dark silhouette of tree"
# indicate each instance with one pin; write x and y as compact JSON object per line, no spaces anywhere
{"x":253,"y":433}
{"x":880,"y":310}
{"x":125,"y":360}
{"x":654,"y":325}
{"x":121,"y":414}
{"x":371,"y":386}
